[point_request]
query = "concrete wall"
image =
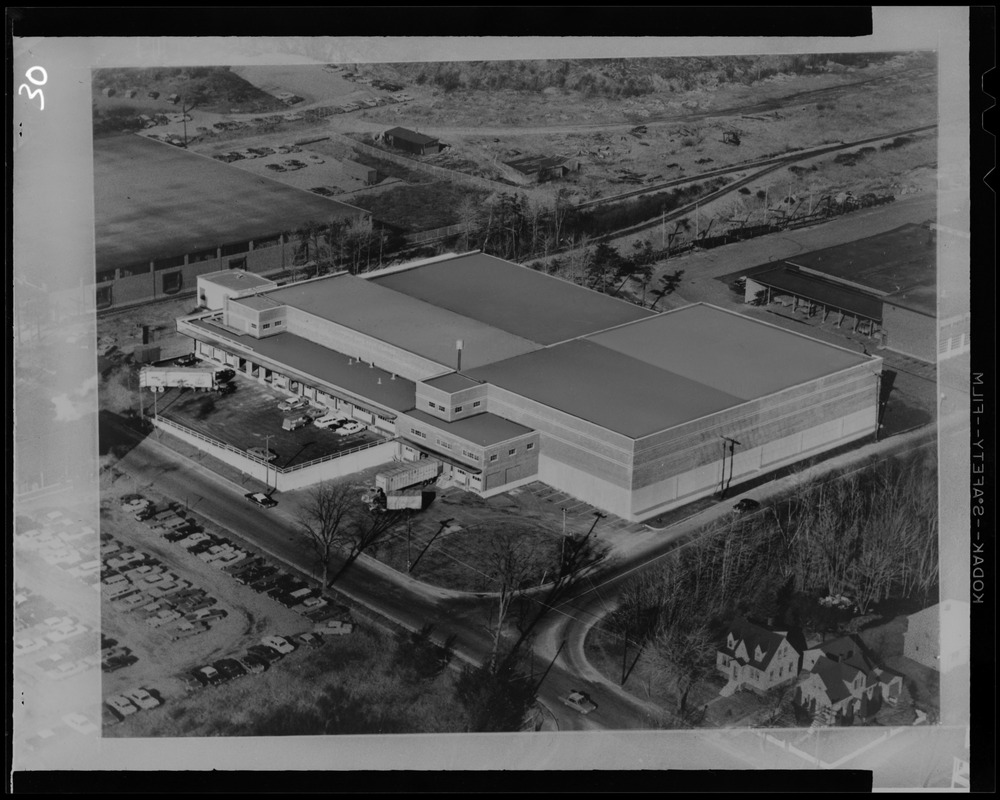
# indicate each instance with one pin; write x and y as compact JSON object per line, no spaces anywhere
{"x":368,"y":348}
{"x":297,"y":479}
{"x":148,"y":284}
{"x":909,"y":333}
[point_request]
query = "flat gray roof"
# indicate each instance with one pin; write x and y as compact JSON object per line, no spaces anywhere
{"x":258,"y":302}
{"x":329,"y":366}
{"x":452,"y":382}
{"x":512,"y":298}
{"x":403,"y":321}
{"x":726,"y":351}
{"x":236,"y":279}
{"x":482,"y":429}
{"x":673,"y":368}
{"x":605,"y":387}
{"x":153,"y":200}
{"x":896,"y":262}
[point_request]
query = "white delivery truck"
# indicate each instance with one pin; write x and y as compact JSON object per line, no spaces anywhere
{"x":158,"y":379}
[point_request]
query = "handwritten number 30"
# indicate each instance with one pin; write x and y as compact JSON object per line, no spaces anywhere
{"x":33,"y":93}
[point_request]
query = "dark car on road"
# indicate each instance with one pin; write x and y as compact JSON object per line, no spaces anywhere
{"x":261,"y":499}
{"x":746,"y":506}
{"x":257,"y":574}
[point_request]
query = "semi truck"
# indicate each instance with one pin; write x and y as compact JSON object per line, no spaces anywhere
{"x":205,"y":379}
{"x":410,"y":473}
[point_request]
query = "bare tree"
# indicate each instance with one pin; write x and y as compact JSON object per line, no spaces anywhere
{"x":513,"y":563}
{"x":366,"y":528}
{"x":324,"y":517}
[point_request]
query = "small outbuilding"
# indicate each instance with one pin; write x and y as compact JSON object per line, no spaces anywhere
{"x":412,"y":142}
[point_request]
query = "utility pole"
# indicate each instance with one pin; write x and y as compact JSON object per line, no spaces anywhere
{"x":409,"y":516}
{"x":732,"y":449}
{"x":267,"y":464}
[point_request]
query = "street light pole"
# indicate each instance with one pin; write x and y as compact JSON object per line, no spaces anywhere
{"x":267,"y":463}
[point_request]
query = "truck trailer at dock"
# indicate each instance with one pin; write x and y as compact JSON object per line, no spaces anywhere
{"x":409,"y":474}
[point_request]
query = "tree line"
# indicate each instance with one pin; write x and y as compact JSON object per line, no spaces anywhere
{"x":830,"y":552}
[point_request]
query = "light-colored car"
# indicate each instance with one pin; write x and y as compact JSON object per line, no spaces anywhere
{"x":350,"y":427}
{"x":81,"y":724}
{"x":579,"y":701}
{"x":26,"y":646}
{"x":315,"y":159}
{"x":293,"y":404}
{"x":121,"y":704}
{"x":278,"y":643}
{"x":330,"y":420}
{"x":142,"y":698}
{"x":334,"y":627}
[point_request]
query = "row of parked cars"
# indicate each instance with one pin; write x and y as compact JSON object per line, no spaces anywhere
{"x":300,"y":413}
{"x":137,"y":583}
{"x":119,"y":706}
{"x":255,"y":660}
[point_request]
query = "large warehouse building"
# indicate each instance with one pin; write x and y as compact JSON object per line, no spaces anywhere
{"x":507,"y":375}
{"x":163,"y":216}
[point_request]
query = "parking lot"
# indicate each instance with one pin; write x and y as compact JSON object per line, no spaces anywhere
{"x":188,"y":606}
{"x":249,"y":417}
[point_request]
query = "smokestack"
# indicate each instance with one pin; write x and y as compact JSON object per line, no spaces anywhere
{"x":458,"y":347}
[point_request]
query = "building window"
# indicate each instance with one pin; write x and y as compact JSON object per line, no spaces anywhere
{"x":467,"y":454}
{"x":418,"y":434}
{"x":444,"y":444}
{"x":476,"y":404}
{"x":461,"y":472}
{"x":253,"y":326}
{"x":458,"y":409}
{"x":512,"y":451}
{"x":493,"y":457}
{"x":531,"y":446}
{"x":266,"y":325}
{"x":277,"y":322}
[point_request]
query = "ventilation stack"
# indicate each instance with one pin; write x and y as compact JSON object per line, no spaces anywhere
{"x":458,"y":347}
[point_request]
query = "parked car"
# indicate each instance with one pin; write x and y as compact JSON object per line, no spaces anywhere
{"x":275,"y":167}
{"x":269,"y":654}
{"x":253,"y":665}
{"x":209,"y":675}
{"x":350,"y":427}
{"x":278,"y":643}
{"x":230,"y":668}
{"x":579,"y":701}
{"x":330,"y":420}
{"x":310,"y":640}
{"x":142,"y":698}
{"x":746,"y":506}
{"x":314,"y":158}
{"x":295,"y":422}
{"x":334,"y":627}
{"x":121,"y":704}
{"x":293,"y":404}
{"x":261,"y":499}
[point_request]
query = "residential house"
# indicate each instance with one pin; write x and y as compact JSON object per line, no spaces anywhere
{"x":539,"y":169}
{"x":841,"y":681}
{"x":756,"y":658}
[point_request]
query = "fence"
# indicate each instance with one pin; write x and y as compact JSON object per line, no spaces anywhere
{"x":280,"y":470}
{"x":422,"y":237}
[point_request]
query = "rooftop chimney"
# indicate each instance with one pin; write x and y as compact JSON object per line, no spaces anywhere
{"x":458,"y":347}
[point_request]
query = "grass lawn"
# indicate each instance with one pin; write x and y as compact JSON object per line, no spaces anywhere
{"x":351,"y":685}
{"x":463,"y":559}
